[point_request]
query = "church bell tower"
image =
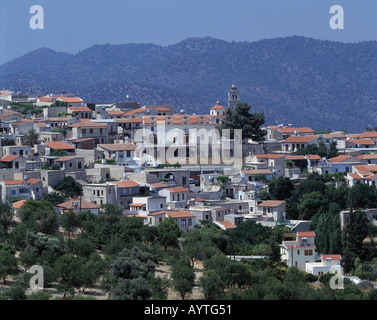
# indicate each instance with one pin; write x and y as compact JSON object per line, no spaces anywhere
{"x":233,"y":97}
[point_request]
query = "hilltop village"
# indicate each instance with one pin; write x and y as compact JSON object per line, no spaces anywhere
{"x":308,"y":188}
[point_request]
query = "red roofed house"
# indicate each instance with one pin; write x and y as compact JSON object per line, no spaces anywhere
{"x":359,"y":143}
{"x":275,"y":162}
{"x":148,"y":204}
{"x":78,"y":205}
{"x":293,"y":143}
{"x":364,"y":177}
{"x":271,"y":210}
{"x":125,"y":191}
{"x":81,"y":112}
{"x":343,"y":163}
{"x":122,"y":153}
{"x":129,"y":126}
{"x":55,"y":145}
{"x":225,"y":225}
{"x":299,"y":252}
{"x":13,"y":162}
{"x":24,"y":189}
{"x":71,"y":163}
{"x":370,"y":158}
{"x":185,"y":219}
{"x":280,"y":132}
{"x":330,"y":263}
{"x":17,"y":205}
{"x":101,"y":132}
{"x":176,"y":195}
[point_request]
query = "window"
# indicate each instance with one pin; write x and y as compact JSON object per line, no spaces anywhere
{"x":161,"y":205}
{"x":298,"y":252}
{"x":83,"y":131}
{"x":90,"y":130}
{"x":308,"y":252}
{"x":190,"y":222}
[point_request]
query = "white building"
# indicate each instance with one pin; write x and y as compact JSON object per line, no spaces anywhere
{"x":330,"y":263}
{"x":299,"y":252}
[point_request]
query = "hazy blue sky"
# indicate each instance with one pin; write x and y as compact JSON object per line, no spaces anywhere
{"x":74,"y":25}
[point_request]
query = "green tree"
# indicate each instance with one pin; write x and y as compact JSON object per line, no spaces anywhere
{"x":310,"y":204}
{"x":168,"y":233}
{"x":183,"y":277}
{"x":249,"y":123}
{"x":8,"y":261}
{"x":69,"y":187}
{"x":69,"y":273}
{"x":55,"y":198}
{"x":281,"y":188}
{"x":212,"y":284}
{"x":69,"y":221}
{"x":58,"y":153}
{"x":362,"y":196}
{"x":40,"y":214}
{"x":31,"y":138}
{"x":6,"y":217}
{"x":132,"y":267}
{"x":355,"y":232}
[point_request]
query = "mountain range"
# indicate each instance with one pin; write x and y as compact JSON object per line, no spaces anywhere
{"x":325,"y":85}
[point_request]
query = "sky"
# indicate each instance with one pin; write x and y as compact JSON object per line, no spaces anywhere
{"x":74,"y":25}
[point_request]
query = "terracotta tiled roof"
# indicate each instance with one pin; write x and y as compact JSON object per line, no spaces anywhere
{"x":218,"y":106}
{"x":299,"y":130}
{"x":331,"y":256}
{"x":227,"y":224}
{"x":83,"y":204}
{"x":88,"y":124}
{"x":258,"y":171}
{"x":18,"y":204}
{"x":180,"y":214}
{"x":368,"y":134}
{"x":17,"y":182}
{"x":306,"y":234}
{"x":313,"y":157}
{"x":9,"y":158}
{"x":269,"y":156}
{"x":137,"y":204}
{"x":300,"y":139}
{"x":339,"y":158}
{"x":355,"y":176}
{"x":367,"y":156}
{"x":139,"y":110}
{"x":271,"y":203}
{"x":177,"y":189}
{"x":298,"y":157}
{"x":118,"y":147}
{"x":64,"y":159}
{"x":158,"y":185}
{"x":59,"y":145}
{"x":370,"y":167}
{"x":71,"y":100}
{"x":125,"y":183}
{"x":366,"y":142}
{"x":115,"y":112}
